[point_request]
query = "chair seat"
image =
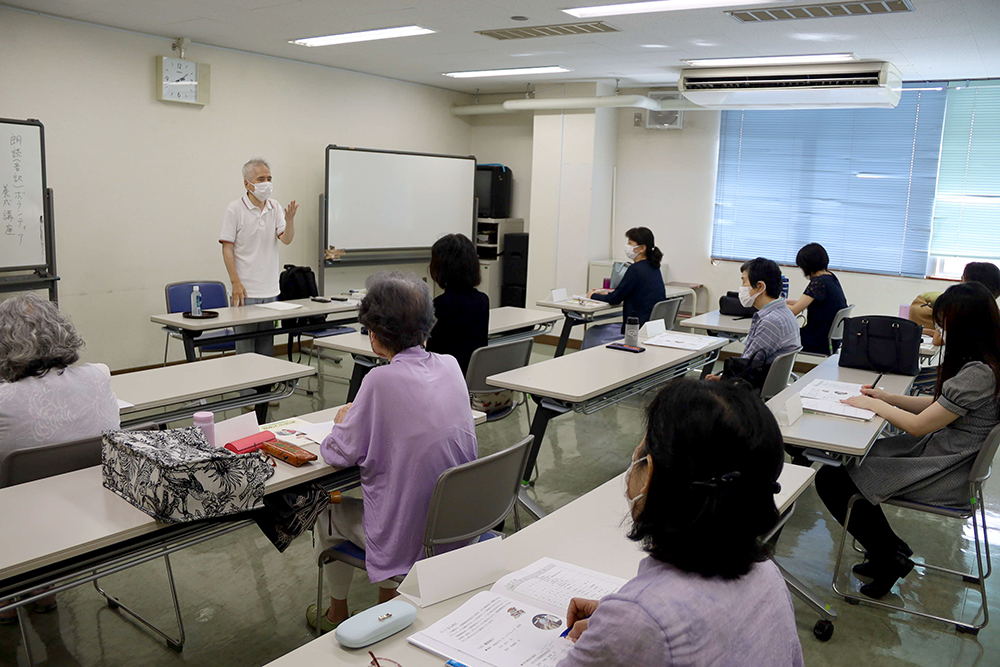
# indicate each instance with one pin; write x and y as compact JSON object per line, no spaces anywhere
{"x":332,"y":331}
{"x":953,"y":512}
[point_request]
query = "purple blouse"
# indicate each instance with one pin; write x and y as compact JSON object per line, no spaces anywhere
{"x":410,"y":421}
{"x":665,"y":616}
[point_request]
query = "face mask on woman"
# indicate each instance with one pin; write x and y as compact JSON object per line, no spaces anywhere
{"x":628,"y":474}
{"x":631,"y":252}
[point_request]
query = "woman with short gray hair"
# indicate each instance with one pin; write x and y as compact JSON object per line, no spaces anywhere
{"x":410,"y":422}
{"x":44,"y":398}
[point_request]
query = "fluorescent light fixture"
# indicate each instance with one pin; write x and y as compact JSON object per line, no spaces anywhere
{"x":773,"y":60}
{"x":364,"y":36}
{"x":660,"y":6}
{"x":908,"y":90}
{"x":514,"y":71}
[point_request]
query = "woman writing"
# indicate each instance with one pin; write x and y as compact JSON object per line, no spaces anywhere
{"x":640,"y":289}
{"x":700,"y":488}
{"x":930,"y":463}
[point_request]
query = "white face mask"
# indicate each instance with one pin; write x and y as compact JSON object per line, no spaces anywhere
{"x":746,"y":298}
{"x":262,"y":190}
{"x":628,"y":474}
{"x":631,"y":252}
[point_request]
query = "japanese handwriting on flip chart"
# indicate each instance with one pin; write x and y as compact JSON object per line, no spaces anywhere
{"x":11,"y":215}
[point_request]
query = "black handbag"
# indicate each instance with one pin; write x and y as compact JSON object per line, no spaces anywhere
{"x":882,"y":344}
{"x":729,"y":304}
{"x":753,"y":371}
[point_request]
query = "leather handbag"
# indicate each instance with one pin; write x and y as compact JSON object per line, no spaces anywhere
{"x":881,"y":343}
{"x":729,"y":304}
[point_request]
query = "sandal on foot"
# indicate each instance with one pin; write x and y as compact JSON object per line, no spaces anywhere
{"x":326,"y":625}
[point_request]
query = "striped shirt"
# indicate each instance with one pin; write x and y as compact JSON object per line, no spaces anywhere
{"x":773,"y":332}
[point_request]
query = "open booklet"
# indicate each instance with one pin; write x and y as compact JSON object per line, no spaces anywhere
{"x":520,"y":621}
{"x":681,"y":341}
{"x":826,"y":395}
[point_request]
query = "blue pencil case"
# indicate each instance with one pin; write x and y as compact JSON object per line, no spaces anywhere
{"x":375,"y":624}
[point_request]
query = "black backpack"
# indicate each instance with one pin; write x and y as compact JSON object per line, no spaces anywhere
{"x":298,"y":282}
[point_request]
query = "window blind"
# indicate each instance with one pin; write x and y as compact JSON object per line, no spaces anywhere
{"x":859,"y":181}
{"x":967,"y":206}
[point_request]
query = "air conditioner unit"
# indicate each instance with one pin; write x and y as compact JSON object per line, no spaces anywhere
{"x":666,"y":119}
{"x":843,"y":85}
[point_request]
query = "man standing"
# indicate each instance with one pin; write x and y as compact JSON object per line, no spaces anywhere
{"x":251,"y":228}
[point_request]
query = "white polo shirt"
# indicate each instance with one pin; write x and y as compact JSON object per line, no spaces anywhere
{"x":254,"y":235}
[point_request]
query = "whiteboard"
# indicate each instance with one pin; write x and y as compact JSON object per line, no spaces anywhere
{"x":22,"y":195}
{"x":392,"y":200}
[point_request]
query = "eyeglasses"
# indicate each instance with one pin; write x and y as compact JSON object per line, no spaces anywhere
{"x":383,"y":662}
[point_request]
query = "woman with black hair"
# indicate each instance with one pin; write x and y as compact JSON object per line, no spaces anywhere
{"x":463,"y":312}
{"x":944,"y":433}
{"x":640,"y":289}
{"x":822,"y":298}
{"x":701,"y":490}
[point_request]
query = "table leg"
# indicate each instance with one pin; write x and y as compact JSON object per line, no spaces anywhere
{"x":189,"y":351}
{"x":546,"y":411}
{"x":261,"y":408}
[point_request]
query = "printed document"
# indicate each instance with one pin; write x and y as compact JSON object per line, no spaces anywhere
{"x":826,"y":395}
{"x":279,"y":305}
{"x":680,"y":341}
{"x":290,"y":431}
{"x":518,"y":622}
{"x":836,"y":408}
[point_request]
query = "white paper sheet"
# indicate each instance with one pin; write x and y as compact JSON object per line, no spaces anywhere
{"x":452,"y":573}
{"x":316,"y":432}
{"x":279,"y":305}
{"x":492,"y":630}
{"x":289,"y":430}
{"x":680,"y":341}
{"x":558,"y":294}
{"x":653,"y":328}
{"x":830,"y":390}
{"x":124,"y":404}
{"x":836,"y":408}
{"x":236,"y":428}
{"x":588,"y":302}
{"x":552,"y":584}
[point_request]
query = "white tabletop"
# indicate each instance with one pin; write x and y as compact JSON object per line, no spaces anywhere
{"x":836,"y":434}
{"x":588,"y":373}
{"x":716,"y":321}
{"x":169,"y":385}
{"x":591,"y":307}
{"x":502,"y":320}
{"x":588,"y":532}
{"x":72,"y":514}
{"x":232,"y":316}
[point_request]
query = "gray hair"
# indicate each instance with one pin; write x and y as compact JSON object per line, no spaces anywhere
{"x":34,"y":338}
{"x":398,"y":309}
{"x":251,"y":166}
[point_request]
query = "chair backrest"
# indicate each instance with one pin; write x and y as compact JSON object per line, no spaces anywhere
{"x":777,"y":375}
{"x":213,"y":295}
{"x":31,"y":463}
{"x":666,"y":310}
{"x":471,"y":498}
{"x":837,"y":326}
{"x":493,"y":359}
{"x":984,"y":460}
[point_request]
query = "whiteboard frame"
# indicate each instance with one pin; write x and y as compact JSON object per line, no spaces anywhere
{"x":387,"y":255}
{"x":45,"y":274}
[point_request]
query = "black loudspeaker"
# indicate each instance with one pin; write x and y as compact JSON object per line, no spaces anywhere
{"x":515,"y":260}
{"x":513,"y":295}
{"x":494,"y":188}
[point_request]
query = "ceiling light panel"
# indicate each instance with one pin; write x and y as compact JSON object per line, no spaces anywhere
{"x":657,"y":6}
{"x":364,"y":36}
{"x":560,"y":30}
{"x":824,"y":11}
{"x":514,"y":71}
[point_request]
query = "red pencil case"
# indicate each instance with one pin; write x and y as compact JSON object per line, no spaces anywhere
{"x":251,"y":443}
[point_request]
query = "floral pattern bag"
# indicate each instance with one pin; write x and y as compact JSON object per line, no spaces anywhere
{"x":176,"y":476}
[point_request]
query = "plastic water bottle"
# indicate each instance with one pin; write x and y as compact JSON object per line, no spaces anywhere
{"x":206,"y":421}
{"x":784,"y":286}
{"x":632,"y":332}
{"x":196,"y":302}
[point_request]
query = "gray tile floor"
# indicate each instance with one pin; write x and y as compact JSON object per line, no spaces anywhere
{"x":243,"y":602}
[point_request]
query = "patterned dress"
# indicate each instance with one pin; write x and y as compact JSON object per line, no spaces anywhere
{"x":935,"y":468}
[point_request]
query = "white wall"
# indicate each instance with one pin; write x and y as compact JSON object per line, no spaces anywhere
{"x":666,"y":181}
{"x":140,"y":185}
{"x":506,"y":139}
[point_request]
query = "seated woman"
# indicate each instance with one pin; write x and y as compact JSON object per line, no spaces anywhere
{"x":930,"y":463}
{"x":985,"y":273}
{"x":640,"y":289}
{"x":463,"y":312}
{"x":410,"y":422}
{"x":44,"y":399}
{"x":822,"y":298}
{"x":701,"y":491}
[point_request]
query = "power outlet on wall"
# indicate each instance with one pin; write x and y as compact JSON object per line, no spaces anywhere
{"x":637,"y":119}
